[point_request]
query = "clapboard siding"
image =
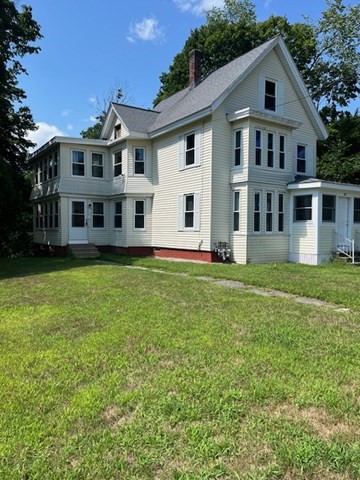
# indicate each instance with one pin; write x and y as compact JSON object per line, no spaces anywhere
{"x":138,"y":238}
{"x":267,"y":248}
{"x":170,"y":182}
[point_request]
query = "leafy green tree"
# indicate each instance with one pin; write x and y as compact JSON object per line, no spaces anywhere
{"x":327,"y":54}
{"x":339,"y":155}
{"x":18,"y":31}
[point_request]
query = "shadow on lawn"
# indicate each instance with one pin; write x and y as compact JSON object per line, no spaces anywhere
{"x":21,"y":267}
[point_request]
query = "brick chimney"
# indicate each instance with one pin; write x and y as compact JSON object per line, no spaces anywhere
{"x":194,"y":68}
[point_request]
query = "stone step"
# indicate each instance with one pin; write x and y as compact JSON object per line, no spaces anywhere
{"x":87,"y":250}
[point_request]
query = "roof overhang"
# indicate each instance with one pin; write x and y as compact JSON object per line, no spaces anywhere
{"x":181,"y":123}
{"x":66,"y":140}
{"x":258,"y":115}
{"x":324,"y":185}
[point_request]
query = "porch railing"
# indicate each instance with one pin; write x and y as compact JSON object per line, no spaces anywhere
{"x":345,"y":246}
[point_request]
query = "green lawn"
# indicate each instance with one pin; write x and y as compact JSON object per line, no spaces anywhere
{"x":116,"y":373}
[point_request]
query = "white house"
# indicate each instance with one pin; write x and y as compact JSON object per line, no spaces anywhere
{"x":231,"y":158}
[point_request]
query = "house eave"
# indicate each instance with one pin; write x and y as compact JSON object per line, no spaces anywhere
{"x":324,"y":185}
{"x":258,"y":115}
{"x":181,"y":123}
{"x":66,"y":140}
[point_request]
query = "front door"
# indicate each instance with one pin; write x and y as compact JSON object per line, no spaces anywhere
{"x":342,"y":217}
{"x":78,"y":232}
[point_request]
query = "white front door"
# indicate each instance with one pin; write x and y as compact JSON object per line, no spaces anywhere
{"x":342,"y":217}
{"x":78,"y":231}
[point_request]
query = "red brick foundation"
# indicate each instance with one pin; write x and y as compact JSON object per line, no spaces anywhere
{"x":187,"y":255}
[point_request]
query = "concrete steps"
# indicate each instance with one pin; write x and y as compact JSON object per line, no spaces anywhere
{"x":87,"y":250}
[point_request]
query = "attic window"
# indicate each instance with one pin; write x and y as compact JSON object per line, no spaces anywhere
{"x":117,"y":131}
{"x":270,"y":95}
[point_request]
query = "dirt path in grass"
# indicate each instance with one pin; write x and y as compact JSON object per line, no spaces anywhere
{"x":264,"y":292}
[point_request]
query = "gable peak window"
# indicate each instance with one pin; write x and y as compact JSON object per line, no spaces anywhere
{"x":270,"y":95}
{"x":117,"y":131}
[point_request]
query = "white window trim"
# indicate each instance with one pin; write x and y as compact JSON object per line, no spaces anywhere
{"x":281,"y":151}
{"x":261,"y":148}
{"x":197,"y":152}
{"x":328,"y":222}
{"x":118,"y":229}
{"x":238,"y":130}
{"x":269,"y":150}
{"x":98,"y":214}
{"x":281,"y":212}
{"x":143,"y":229}
{"x":76,"y":163}
{"x":236,"y":192}
{"x":257,"y":232}
{"x":144,"y":161}
{"x":307,"y":150}
{"x":103,"y":166}
{"x":181,"y":213}
{"x":269,"y":212}
{"x":122,"y":163}
{"x":279,"y":95}
{"x":309,"y":221}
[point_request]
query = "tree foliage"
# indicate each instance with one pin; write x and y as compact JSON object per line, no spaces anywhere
{"x":18,"y":31}
{"x":327,"y":53}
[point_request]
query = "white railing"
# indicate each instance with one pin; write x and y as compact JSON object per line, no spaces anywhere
{"x":345,"y":246}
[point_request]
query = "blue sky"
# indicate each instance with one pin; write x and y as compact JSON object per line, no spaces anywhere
{"x":91,"y":46}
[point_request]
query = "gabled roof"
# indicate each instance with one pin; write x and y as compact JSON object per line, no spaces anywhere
{"x":135,"y":119}
{"x":193,"y":103}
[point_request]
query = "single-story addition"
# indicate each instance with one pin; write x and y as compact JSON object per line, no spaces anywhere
{"x":225,"y":167}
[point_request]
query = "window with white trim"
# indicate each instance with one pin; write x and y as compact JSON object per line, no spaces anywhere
{"x":50,"y":167}
{"x":258,"y":147}
{"x":117,"y":131}
{"x":281,"y":212}
{"x":117,"y":163}
{"x":55,"y":164}
{"x":269,"y":212}
{"x":356,"y":210}
{"x":236,"y":213}
{"x":257,"y":211}
{"x":189,"y":212}
{"x":139,"y":214}
{"x":118,"y":215}
{"x":328,"y":208}
{"x":301,"y":158}
{"x":270,"y":150}
{"x":78,"y":163}
{"x":302,"y":208}
{"x":189,"y":150}
{"x":98,"y":214}
{"x":282,"y":152}
{"x":97,"y":165}
{"x":139,"y":156}
{"x":237,"y":147}
{"x":270,"y":96}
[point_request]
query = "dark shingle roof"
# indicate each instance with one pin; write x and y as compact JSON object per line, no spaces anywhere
{"x":192,"y":100}
{"x":136,"y":119}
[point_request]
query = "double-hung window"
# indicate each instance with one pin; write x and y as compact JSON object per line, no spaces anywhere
{"x":269,"y":212}
{"x":50,"y":169}
{"x":236,"y":214}
{"x":78,"y":163}
{"x":356,"y":210}
{"x":281,"y":213}
{"x":118,"y":163}
{"x":98,"y":214}
{"x":328,"y":208}
{"x":302,"y":208}
{"x":97,"y":165}
{"x":55,"y":164}
{"x":237,"y":148}
{"x":301,"y":158}
{"x":282,"y":152}
{"x":257,"y":211}
{"x":139,"y":156}
{"x":258,"y":147}
{"x":189,"y":212}
{"x":270,"y":95}
{"x":270,"y":150}
{"x":118,"y":215}
{"x":189,"y":150}
{"x":139,"y":213}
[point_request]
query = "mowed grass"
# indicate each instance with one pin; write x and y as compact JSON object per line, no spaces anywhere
{"x":115,"y":373}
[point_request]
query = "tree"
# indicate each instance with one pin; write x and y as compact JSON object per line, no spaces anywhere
{"x":327,"y":54}
{"x":18,"y":31}
{"x":119,"y":92}
{"x":339,"y":155}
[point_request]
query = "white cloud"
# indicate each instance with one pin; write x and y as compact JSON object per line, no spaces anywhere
{"x":92,"y":100}
{"x":70,"y":127}
{"x":65,"y":112}
{"x":43,"y":134}
{"x":147,"y":30}
{"x":198,"y":6}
